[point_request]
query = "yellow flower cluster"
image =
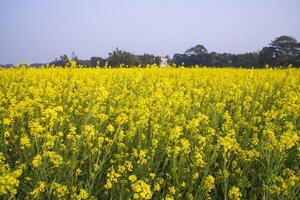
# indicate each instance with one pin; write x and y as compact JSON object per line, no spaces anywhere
{"x":149,"y":133}
{"x":39,"y":189}
{"x":141,"y":190}
{"x":9,"y":181}
{"x":83,"y":194}
{"x":209,"y":183}
{"x":60,"y":191}
{"x":234,"y":193}
{"x":25,"y":142}
{"x":54,"y":158}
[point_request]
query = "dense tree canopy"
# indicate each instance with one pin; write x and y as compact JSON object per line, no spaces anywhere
{"x":282,"y":51}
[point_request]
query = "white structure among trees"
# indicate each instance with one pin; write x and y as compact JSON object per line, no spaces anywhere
{"x":163,"y":62}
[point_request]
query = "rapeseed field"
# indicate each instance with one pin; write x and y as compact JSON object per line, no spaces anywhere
{"x":151,"y":133}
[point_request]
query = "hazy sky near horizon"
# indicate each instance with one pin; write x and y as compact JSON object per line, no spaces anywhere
{"x":42,"y":30}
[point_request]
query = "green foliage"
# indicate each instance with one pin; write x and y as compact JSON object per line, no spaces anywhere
{"x":120,"y":57}
{"x":282,"y":51}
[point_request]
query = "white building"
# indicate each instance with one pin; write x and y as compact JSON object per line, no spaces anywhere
{"x":163,"y":62}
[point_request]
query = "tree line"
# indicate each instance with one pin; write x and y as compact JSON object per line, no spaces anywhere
{"x":282,"y":51}
{"x":116,"y":58}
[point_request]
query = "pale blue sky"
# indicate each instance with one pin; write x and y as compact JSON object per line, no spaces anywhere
{"x":41,"y":30}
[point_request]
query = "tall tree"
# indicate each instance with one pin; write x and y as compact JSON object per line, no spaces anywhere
{"x":118,"y":57}
{"x":286,"y":51}
{"x":285,"y":46}
{"x":146,"y":59}
{"x":266,"y":56}
{"x":97,"y":61}
{"x":196,"y":50}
